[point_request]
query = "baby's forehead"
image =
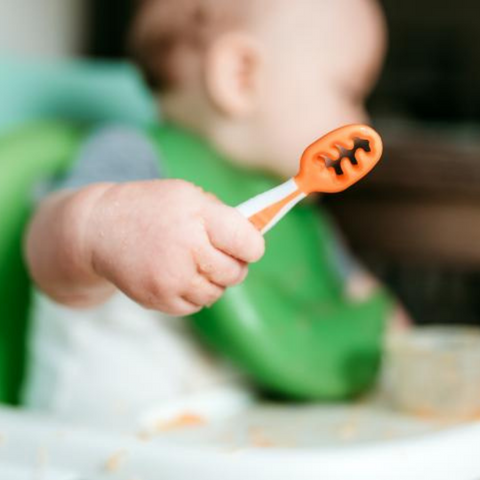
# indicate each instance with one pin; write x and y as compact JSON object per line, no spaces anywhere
{"x":339,"y":31}
{"x":333,"y":30}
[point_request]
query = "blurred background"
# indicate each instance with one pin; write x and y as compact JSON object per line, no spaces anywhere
{"x":416,"y":222}
{"x":432,"y":73}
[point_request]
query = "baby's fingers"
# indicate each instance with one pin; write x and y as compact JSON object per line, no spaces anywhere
{"x":220,"y":268}
{"x":230,"y":232}
{"x":202,"y":292}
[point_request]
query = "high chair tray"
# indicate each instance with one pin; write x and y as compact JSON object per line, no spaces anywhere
{"x":265,"y":441}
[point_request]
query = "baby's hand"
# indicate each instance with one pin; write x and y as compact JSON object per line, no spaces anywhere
{"x":168,"y":245}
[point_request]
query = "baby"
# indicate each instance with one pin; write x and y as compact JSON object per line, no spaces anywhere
{"x":121,"y":247}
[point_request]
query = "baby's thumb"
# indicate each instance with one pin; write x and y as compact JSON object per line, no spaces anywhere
{"x":230,"y":232}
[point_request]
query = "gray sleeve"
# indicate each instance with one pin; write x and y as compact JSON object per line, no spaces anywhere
{"x":112,"y":154}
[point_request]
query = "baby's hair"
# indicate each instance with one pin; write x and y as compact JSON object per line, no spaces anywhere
{"x":165,"y":30}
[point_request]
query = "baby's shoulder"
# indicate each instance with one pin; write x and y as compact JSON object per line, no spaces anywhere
{"x":114,"y":153}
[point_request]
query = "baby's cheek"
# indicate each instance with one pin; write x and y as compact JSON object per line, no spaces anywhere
{"x":359,"y":113}
{"x":344,"y":111}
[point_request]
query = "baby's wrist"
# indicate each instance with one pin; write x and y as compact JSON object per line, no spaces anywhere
{"x":85,"y":212}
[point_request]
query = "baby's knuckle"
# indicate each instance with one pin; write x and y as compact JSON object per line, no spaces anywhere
{"x":206,"y":266}
{"x":231,"y":274}
{"x":187,"y":310}
{"x":181,"y":311}
{"x":240,"y":275}
{"x":257,"y":248}
{"x":237,"y":237}
{"x":194,"y":284}
{"x":214,"y":296}
{"x":174,"y":285}
{"x":158,"y":289}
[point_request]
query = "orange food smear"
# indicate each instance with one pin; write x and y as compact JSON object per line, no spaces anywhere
{"x":182,"y":421}
{"x":259,"y":439}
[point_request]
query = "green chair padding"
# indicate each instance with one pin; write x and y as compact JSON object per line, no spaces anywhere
{"x":25,"y":156}
{"x":77,"y":91}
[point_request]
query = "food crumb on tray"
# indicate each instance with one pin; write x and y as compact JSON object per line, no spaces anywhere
{"x":259,"y":439}
{"x":116,"y":461}
{"x":182,"y":421}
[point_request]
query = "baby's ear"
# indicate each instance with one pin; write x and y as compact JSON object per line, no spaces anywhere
{"x":231,"y":74}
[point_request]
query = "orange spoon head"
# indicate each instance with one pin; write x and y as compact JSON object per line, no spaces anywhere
{"x":340,"y":159}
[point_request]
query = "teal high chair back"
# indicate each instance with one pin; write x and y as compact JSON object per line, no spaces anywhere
{"x":29,"y":94}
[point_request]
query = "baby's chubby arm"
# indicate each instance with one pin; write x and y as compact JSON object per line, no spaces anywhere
{"x":165,"y":243}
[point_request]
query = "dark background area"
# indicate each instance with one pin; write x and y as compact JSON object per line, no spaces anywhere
{"x":109,"y":27}
{"x":433,"y":68}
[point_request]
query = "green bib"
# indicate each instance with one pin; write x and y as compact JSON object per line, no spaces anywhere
{"x":289,"y":324}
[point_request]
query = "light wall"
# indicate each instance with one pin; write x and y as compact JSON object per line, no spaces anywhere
{"x":44,"y":28}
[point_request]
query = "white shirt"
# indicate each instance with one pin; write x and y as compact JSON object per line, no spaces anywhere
{"x":112,"y":362}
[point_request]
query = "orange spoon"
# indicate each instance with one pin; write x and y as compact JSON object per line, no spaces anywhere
{"x":331,"y":164}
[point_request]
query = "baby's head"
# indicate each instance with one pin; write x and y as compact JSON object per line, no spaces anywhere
{"x":260,"y":79}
